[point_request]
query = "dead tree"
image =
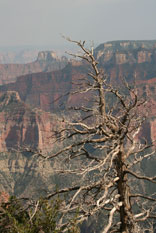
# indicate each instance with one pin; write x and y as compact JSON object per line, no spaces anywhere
{"x":102,"y":155}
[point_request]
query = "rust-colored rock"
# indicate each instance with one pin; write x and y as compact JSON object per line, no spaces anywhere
{"x":30,"y":107}
{"x":20,"y":126}
{"x":41,"y":90}
{"x":46,"y":61}
{"x":23,"y":131}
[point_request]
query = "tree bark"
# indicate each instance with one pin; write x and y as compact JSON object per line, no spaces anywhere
{"x":127,"y":223}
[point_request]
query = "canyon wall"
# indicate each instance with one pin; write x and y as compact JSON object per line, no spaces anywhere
{"x":24,"y":127}
{"x":24,"y":133}
{"x":30,"y":107}
{"x":46,"y":61}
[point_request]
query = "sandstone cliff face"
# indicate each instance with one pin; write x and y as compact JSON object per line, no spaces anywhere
{"x":46,"y":61}
{"x":47,"y":56}
{"x":136,"y":62}
{"x":147,"y":88}
{"x":122,"y":52}
{"x":23,"y":125}
{"x":47,"y":90}
{"x":23,"y":131}
{"x":20,"y":126}
{"x":132,"y":60}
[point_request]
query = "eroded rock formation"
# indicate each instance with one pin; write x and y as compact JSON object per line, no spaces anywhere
{"x":23,"y":131}
{"x":21,"y":126}
{"x":46,"y":61}
{"x":30,"y":107}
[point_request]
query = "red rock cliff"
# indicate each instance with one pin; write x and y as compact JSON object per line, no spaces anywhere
{"x":20,"y":126}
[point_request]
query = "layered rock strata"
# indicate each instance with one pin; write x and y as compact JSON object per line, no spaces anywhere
{"x":46,"y":61}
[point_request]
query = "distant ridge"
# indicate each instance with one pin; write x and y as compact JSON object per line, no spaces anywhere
{"x":127,"y":44}
{"x":46,"y":61}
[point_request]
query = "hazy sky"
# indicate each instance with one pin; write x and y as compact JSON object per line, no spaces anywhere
{"x":40,"y":22}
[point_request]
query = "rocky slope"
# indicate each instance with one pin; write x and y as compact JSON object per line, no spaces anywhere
{"x":46,"y":61}
{"x":121,"y":52}
{"x":43,"y":89}
{"x":133,"y":60}
{"x":29,"y":110}
{"x":23,"y":131}
{"x":21,"y":126}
